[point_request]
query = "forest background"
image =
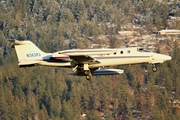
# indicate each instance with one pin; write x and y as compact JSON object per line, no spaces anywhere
{"x":40,"y":93}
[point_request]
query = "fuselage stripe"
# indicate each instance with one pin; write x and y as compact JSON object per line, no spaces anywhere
{"x":72,"y":51}
{"x":107,"y":57}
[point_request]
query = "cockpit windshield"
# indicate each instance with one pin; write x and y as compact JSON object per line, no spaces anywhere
{"x":143,"y":50}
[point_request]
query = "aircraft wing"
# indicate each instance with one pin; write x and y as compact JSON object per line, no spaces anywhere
{"x":84,"y":59}
{"x":101,"y":72}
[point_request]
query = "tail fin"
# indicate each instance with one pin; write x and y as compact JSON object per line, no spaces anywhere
{"x":27,"y":51}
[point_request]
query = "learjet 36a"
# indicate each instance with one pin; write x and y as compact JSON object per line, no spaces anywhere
{"x":86,"y":62}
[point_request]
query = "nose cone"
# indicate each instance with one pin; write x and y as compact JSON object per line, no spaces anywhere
{"x":165,"y":57}
{"x":168,"y":57}
{"x":161,"y":57}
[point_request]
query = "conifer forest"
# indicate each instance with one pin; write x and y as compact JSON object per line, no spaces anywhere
{"x":49,"y":93}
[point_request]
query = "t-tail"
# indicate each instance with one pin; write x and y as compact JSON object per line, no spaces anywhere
{"x":28,"y":53}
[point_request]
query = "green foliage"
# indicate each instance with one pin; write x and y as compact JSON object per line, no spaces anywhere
{"x":48,"y":93}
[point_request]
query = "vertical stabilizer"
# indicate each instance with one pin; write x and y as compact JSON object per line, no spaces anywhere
{"x":27,"y":51}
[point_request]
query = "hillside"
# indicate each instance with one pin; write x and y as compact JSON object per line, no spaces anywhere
{"x":39,"y":93}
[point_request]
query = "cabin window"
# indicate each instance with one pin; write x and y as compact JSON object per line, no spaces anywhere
{"x":128,"y":51}
{"x":121,"y":52}
{"x":143,"y":50}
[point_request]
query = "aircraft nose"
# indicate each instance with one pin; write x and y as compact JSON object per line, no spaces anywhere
{"x":165,"y":57}
{"x":169,"y":58}
{"x":161,"y":57}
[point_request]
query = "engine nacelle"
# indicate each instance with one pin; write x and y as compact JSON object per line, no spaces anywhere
{"x":58,"y":56}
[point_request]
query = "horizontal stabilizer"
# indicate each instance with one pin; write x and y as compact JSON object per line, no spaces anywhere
{"x":21,"y":63}
{"x":17,"y":42}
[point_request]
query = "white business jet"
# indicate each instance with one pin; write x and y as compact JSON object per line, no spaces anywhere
{"x":86,"y":62}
